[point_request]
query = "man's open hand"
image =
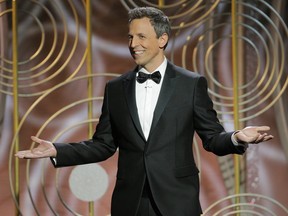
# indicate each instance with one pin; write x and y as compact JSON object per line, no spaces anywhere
{"x":43,"y":150}
{"x":253,"y":134}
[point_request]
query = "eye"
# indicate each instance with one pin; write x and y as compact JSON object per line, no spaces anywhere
{"x":142,"y":37}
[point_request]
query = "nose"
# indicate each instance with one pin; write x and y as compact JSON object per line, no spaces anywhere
{"x":133,"y":42}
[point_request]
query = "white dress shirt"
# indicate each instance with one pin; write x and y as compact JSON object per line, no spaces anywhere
{"x":147,"y":94}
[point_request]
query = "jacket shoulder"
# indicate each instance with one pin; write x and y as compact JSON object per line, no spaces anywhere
{"x":183,"y":72}
{"x":126,"y":76}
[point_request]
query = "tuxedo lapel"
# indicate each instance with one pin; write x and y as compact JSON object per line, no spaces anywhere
{"x":129,"y":90}
{"x":165,"y":94}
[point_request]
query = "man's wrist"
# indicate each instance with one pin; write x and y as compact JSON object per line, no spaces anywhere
{"x":236,"y":142}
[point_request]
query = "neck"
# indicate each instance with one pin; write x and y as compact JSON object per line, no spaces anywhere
{"x":152,"y":67}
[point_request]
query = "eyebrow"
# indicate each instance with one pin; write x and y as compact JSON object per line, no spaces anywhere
{"x":138,"y":34}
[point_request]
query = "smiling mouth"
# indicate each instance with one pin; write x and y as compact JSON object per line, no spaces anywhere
{"x":136,"y":53}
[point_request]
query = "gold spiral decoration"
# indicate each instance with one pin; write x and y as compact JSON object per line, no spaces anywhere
{"x":41,"y":71}
{"x":260,"y":88}
{"x":250,"y":204}
{"x":182,"y":14}
{"x":42,"y":65}
{"x":42,"y":165}
{"x":44,"y":69}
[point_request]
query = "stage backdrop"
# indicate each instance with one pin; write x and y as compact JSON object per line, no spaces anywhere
{"x":57,"y":55}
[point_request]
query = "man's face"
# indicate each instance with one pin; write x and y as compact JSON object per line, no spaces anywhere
{"x":145,"y":48}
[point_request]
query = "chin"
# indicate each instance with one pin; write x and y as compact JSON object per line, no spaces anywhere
{"x":137,"y":62}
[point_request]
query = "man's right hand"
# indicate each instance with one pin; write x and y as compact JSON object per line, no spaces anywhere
{"x":43,"y":150}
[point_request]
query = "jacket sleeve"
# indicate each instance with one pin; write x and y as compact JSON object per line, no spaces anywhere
{"x":214,"y":138}
{"x":97,"y":149}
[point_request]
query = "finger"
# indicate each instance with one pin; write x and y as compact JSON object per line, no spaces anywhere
{"x":36,"y":139}
{"x":260,"y":138}
{"x":262,"y":128}
{"x":263,"y":138}
{"x":268,"y":138}
{"x":30,"y":155}
{"x":21,"y":154}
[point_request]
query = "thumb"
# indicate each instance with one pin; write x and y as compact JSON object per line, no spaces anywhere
{"x":36,"y":139}
{"x":262,"y":128}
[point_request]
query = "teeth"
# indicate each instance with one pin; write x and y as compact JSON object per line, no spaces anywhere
{"x":138,"y":52}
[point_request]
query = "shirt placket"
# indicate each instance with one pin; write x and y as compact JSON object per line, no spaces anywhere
{"x":147,"y":117}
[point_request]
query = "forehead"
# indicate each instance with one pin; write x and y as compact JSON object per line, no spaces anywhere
{"x":142,"y":25}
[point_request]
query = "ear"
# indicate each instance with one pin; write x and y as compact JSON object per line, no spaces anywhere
{"x":163,"y":40}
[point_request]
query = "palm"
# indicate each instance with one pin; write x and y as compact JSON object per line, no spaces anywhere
{"x":43,"y":150}
{"x":253,"y":134}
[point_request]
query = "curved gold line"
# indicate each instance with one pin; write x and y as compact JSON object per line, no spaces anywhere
{"x":165,"y":6}
{"x":234,"y":206}
{"x":6,"y":12}
{"x":193,"y":10}
{"x":161,"y":5}
{"x":262,"y":79}
{"x":262,"y":39}
{"x":33,"y":55}
{"x":210,"y":74}
{"x":269,"y":105}
{"x":195,"y":20}
{"x":61,"y":50}
{"x":281,"y":67}
{"x":60,"y":196}
{"x":38,"y":100}
{"x":285,"y":85}
{"x":282,"y":207}
{"x":41,"y":45}
{"x":43,"y":188}
{"x":69,"y":78}
{"x":266,"y":68}
{"x":265,"y":71}
{"x":58,"y":71}
{"x":125,"y":5}
{"x":236,"y":212}
{"x":53,"y":47}
{"x":201,"y":38}
{"x":50,"y":119}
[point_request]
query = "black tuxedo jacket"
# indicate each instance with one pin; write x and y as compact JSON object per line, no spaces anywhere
{"x":166,"y":158}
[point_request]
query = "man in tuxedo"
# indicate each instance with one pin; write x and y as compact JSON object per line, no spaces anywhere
{"x":150,"y":115}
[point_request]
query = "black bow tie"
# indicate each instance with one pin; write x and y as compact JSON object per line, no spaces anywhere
{"x":142,"y":77}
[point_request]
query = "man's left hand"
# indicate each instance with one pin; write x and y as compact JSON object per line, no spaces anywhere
{"x":253,"y":134}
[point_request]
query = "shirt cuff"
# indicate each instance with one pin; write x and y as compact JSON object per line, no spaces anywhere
{"x":53,"y":160}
